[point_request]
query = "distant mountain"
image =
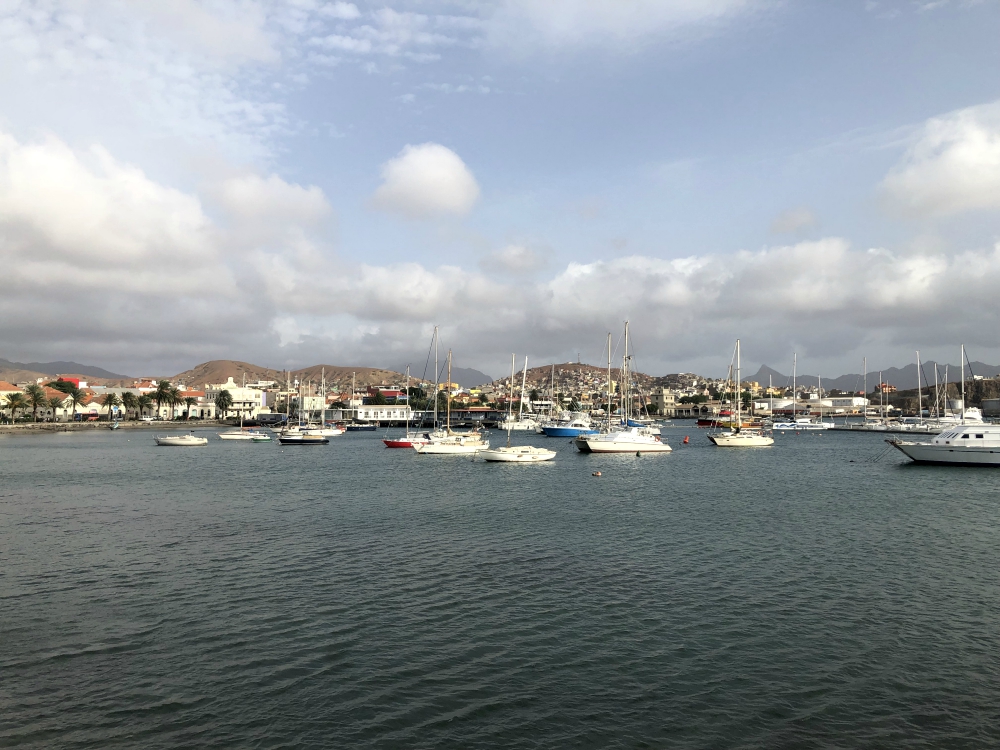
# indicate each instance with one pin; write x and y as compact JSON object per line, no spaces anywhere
{"x":336,"y":376}
{"x":904,"y":378}
{"x":464,"y":376}
{"x":60,"y":368}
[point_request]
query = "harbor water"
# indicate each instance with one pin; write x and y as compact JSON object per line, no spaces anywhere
{"x":820,"y":593}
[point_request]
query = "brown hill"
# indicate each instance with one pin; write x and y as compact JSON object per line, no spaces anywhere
{"x":337,"y":378}
{"x":572,"y":376}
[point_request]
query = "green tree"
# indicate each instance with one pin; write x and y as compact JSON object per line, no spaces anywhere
{"x":174,"y":398}
{"x":78,"y":397}
{"x":224,"y":402}
{"x":109,"y":401}
{"x":144,"y":403}
{"x":533,"y":395}
{"x":162,"y":395}
{"x":131,"y":402}
{"x":378,"y":399}
{"x":61,"y":385}
{"x":16,"y":401}
{"x":55,"y":402}
{"x":189,"y":401}
{"x":36,"y":398}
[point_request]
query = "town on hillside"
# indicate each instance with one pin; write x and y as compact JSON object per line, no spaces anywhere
{"x":227,"y":389}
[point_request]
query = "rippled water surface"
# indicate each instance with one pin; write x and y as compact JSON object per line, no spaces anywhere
{"x":352,"y":596}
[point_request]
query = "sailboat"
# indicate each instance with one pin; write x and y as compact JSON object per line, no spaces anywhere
{"x":803,"y":423}
{"x":450,"y":442}
{"x":408,"y":439}
{"x":302,"y":434}
{"x":628,"y":438}
{"x":516,"y":453}
{"x":521,"y":423}
{"x":243,"y":433}
{"x":740,"y":437}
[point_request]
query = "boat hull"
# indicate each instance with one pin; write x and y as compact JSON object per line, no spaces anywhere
{"x":180,"y":442}
{"x":449,"y":449}
{"x":597,"y":445}
{"x":741,"y":441}
{"x":567,"y":431}
{"x":925,"y":453}
{"x":361,"y":427}
{"x":518,"y":455}
{"x":303,"y":440}
{"x":403,"y":443}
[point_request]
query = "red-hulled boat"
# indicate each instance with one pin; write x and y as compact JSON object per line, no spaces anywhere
{"x":407,"y":441}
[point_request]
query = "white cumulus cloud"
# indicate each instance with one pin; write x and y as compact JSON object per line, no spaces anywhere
{"x":952,"y":167}
{"x":426,"y":180}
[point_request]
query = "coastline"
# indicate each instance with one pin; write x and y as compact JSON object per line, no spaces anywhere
{"x":39,"y":427}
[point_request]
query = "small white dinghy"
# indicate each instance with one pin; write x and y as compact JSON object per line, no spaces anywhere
{"x":180,"y":440}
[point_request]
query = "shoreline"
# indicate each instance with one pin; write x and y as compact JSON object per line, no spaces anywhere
{"x":40,"y":427}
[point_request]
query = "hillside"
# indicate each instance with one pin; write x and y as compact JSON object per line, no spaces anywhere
{"x":901,"y":377}
{"x":337,"y":377}
{"x":14,"y":372}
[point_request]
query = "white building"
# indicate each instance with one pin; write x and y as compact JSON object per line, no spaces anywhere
{"x":246,"y":401}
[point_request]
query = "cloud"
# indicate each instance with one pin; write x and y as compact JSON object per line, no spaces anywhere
{"x":104,"y":263}
{"x":794,"y":220}
{"x":615,"y":24}
{"x":952,"y":167}
{"x":514,"y":259}
{"x":424,"y":181}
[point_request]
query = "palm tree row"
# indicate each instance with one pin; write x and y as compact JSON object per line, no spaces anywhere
{"x":33,"y":397}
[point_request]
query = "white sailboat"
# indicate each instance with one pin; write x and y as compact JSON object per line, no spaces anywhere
{"x":450,"y":442}
{"x":180,"y":440}
{"x":626,"y":438}
{"x":522,"y":454}
{"x":802,"y":423}
{"x":741,"y":437}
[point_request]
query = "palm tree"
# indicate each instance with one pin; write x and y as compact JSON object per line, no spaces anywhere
{"x":109,"y":401}
{"x":175,"y":398}
{"x":143,"y":402}
{"x":16,"y":401}
{"x":162,"y":394}
{"x":224,"y":402}
{"x":55,"y":402}
{"x":78,"y":397}
{"x":130,"y":401}
{"x":189,"y":402}
{"x":36,"y":398}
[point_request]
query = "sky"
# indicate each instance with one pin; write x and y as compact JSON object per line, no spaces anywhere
{"x":304,"y":181}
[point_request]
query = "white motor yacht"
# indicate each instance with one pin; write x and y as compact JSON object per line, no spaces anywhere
{"x":180,"y":440}
{"x":972,"y":444}
{"x":747,"y":437}
{"x":246,"y":435}
{"x":802,"y":423}
{"x":627,"y":440}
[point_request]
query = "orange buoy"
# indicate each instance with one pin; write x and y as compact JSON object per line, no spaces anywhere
{"x":686,"y":440}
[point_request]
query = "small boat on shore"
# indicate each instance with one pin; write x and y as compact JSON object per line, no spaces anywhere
{"x":180,"y":440}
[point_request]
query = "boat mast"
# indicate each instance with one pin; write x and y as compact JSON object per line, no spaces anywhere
{"x":437,"y":378}
{"x":609,"y":381}
{"x":524,"y":382}
{"x":865,"y":405}
{"x":739,"y":400}
{"x":407,"y":399}
{"x":963,"y":383}
{"x":448,"y":395}
{"x":770,"y":393}
{"x":937,"y":396}
{"x":795,"y":362}
{"x":920,"y":410}
{"x":626,"y":407}
{"x":881,"y":397}
{"x":552,"y":389}
{"x":510,"y":398}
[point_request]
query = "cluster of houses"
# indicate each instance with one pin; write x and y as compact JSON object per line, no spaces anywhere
{"x":686,"y":395}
